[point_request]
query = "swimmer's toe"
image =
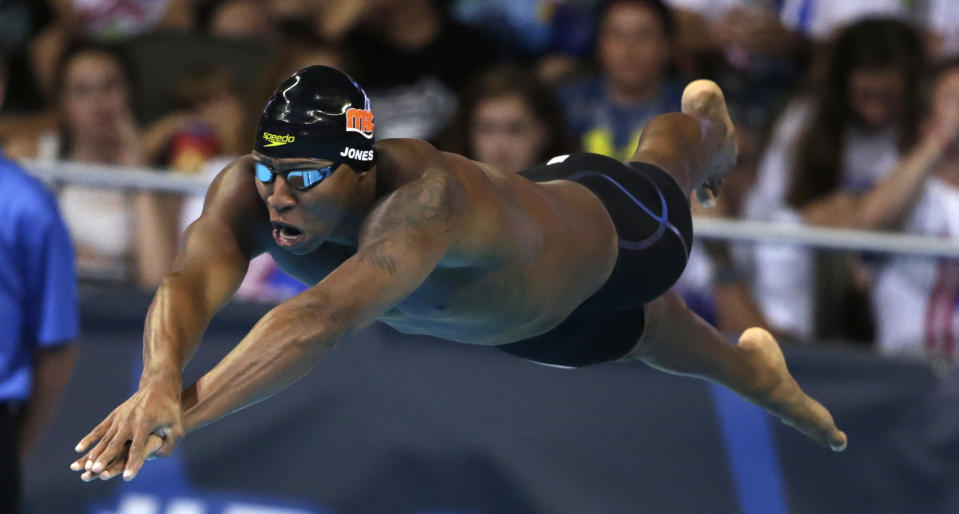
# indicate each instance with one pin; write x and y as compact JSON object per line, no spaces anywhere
{"x":839,"y":441}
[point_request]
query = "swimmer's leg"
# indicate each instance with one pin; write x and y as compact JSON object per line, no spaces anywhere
{"x":697,"y":146}
{"x":678,"y":341}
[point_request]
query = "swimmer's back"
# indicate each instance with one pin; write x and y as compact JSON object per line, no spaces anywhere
{"x":537,"y":250}
{"x":528,"y":255}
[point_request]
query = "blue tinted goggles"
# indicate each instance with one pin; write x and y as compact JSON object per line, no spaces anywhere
{"x":300,"y":179}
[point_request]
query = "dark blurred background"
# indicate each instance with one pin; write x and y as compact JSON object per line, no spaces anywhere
{"x":847,"y":116}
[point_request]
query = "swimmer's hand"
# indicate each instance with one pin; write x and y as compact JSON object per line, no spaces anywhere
{"x":149,"y":423}
{"x":116,"y":467}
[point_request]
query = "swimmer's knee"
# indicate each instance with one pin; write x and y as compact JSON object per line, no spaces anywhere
{"x":661,"y":316}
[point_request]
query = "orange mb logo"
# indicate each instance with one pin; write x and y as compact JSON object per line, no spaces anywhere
{"x":360,"y":120}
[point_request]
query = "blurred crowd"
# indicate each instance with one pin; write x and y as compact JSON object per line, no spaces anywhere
{"x":847,"y":116}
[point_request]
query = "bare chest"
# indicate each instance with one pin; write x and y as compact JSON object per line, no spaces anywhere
{"x":520,"y":273}
{"x":475,"y":305}
{"x":470,"y":304}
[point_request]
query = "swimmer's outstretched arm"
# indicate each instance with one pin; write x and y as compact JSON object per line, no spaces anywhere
{"x":207,"y":271}
{"x":400,"y":244}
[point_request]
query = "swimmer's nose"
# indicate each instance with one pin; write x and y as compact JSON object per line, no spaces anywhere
{"x":281,"y":197}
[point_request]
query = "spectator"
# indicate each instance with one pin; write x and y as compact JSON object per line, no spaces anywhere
{"x":634,"y":48}
{"x":531,"y":27}
{"x":242,"y":19}
{"x":38,"y":313}
{"x":743,"y":45}
{"x":826,"y":150}
{"x":298,"y":10}
{"x":510,"y":120}
{"x":557,"y":33}
{"x":739,"y":28}
{"x":852,"y":130}
{"x":943,"y":25}
{"x":821,"y":21}
{"x":118,"y":236}
{"x":301,"y":47}
{"x":111,"y":19}
{"x":413,"y":62}
{"x":914,"y":298}
{"x":208,"y":120}
{"x":102,"y":20}
{"x":20,"y":23}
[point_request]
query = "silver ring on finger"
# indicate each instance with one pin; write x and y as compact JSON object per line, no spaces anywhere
{"x":162,"y":433}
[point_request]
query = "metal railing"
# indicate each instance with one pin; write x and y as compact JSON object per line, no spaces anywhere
{"x":114,"y":177}
{"x":706,"y":228}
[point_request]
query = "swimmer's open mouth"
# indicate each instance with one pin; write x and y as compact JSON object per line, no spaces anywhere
{"x":286,"y":235}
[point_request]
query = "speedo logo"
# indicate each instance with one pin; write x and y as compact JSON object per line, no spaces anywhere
{"x":277,"y":139}
{"x":360,"y":155}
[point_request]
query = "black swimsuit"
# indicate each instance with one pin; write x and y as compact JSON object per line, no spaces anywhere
{"x":655,"y":230}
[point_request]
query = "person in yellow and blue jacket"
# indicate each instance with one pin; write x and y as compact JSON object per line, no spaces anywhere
{"x":634,"y":53}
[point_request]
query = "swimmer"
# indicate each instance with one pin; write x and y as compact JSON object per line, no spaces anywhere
{"x":567,"y":264}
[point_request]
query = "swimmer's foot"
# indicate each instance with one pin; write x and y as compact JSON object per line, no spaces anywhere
{"x":704,"y":99}
{"x":779,"y":393}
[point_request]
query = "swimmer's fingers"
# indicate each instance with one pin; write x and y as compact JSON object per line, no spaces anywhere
{"x":84,"y":463}
{"x":87,"y":462}
{"x":109,"y":471}
{"x":95,"y":435}
{"x":94,"y":454}
{"x":115,"y":467}
{"x":124,"y":460}
{"x":112,"y":470}
{"x":77,"y":465}
{"x":121,"y":462}
{"x":116,"y":444}
{"x":81,"y":463}
{"x":142,"y":449}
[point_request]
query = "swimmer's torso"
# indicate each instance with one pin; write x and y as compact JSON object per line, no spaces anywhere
{"x":530,"y":253}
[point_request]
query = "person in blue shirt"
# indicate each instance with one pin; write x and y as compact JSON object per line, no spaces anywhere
{"x":633,"y":50}
{"x":38,"y":316}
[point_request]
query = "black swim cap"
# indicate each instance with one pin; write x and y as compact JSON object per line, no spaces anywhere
{"x":318,"y":112}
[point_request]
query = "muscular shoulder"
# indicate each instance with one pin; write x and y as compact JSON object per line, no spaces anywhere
{"x":232,"y":199}
{"x":233,"y":189}
{"x":400,"y":161}
{"x":434,"y":199}
{"x":425,"y":187}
